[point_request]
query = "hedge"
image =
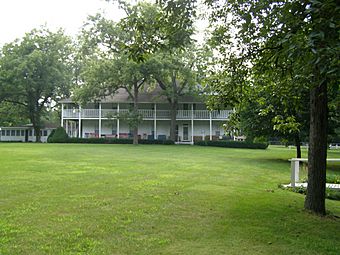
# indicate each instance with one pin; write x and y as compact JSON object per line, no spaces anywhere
{"x":233,"y":144}
{"x":111,"y":141}
{"x":58,"y":135}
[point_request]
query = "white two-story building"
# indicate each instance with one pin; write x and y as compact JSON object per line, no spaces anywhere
{"x":101,"y":118}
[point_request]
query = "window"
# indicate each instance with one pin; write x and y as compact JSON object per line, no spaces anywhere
{"x":3,"y":132}
{"x":185,"y":106}
{"x":45,"y":133}
{"x":22,"y":132}
{"x":13,"y":132}
{"x":18,"y":133}
{"x":8,"y":132}
{"x":30,"y":133}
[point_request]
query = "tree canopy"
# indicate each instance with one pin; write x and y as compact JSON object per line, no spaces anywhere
{"x":296,"y":44}
{"x":35,"y":72}
{"x":118,"y":55}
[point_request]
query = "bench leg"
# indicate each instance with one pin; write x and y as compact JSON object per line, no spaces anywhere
{"x":294,"y":177}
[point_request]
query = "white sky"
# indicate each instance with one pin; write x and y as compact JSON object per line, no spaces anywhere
{"x":18,"y":17}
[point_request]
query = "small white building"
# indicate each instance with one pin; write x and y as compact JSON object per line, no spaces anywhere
{"x":22,"y":134}
{"x":100,"y":119}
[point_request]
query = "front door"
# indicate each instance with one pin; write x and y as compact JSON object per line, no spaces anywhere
{"x":185,"y":132}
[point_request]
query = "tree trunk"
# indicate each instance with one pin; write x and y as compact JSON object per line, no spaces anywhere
{"x":173,"y":114}
{"x":35,"y":120}
{"x":317,"y":154}
{"x":37,"y":132}
{"x":298,"y":146}
{"x":135,"y":110}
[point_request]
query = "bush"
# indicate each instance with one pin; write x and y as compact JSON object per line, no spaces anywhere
{"x":58,"y":135}
{"x":113,"y":141}
{"x":260,"y":139}
{"x":333,"y":179}
{"x":233,"y":144}
{"x":330,"y":193}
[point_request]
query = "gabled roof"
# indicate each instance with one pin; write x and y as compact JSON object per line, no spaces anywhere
{"x":145,"y":96}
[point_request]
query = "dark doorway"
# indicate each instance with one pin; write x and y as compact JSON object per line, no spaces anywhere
{"x":26,"y":135}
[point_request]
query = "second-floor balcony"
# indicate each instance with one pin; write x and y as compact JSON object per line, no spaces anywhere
{"x":146,"y":114}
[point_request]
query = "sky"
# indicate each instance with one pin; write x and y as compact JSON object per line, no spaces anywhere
{"x":18,"y":17}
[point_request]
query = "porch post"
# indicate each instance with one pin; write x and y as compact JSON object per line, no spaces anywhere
{"x":192,"y":123}
{"x":66,"y":126}
{"x":118,"y":120}
{"x":155,"y":122}
{"x":210,"y":126}
{"x":100,"y":120}
{"x":62,"y":115}
{"x":79,"y":120}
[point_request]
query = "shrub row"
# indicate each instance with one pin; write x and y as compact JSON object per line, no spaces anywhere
{"x":233,"y":144}
{"x":116,"y":141}
{"x":330,"y":193}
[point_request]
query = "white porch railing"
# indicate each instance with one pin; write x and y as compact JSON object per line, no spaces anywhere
{"x":184,"y":114}
{"x":109,"y":113}
{"x":90,"y":113}
{"x":148,"y":114}
{"x":163,"y":114}
{"x":70,"y":113}
{"x":223,"y":114}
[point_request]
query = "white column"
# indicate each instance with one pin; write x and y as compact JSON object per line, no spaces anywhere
{"x":79,"y":120}
{"x":62,"y":115}
{"x":192,"y":123}
{"x":74,"y":129}
{"x":210,"y":126}
{"x":118,"y":120}
{"x":155,"y":122}
{"x":66,"y":126}
{"x":100,"y":120}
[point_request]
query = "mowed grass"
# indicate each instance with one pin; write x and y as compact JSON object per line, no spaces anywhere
{"x":149,"y":199}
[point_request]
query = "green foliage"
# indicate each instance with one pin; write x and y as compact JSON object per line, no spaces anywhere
{"x":58,"y":135}
{"x":283,"y":46}
{"x":132,"y":117}
{"x":233,"y":144}
{"x":330,"y":193}
{"x":12,"y":115}
{"x":260,"y":139}
{"x":113,"y":141}
{"x":166,"y":25}
{"x":333,"y":179}
{"x":36,"y":71}
{"x":177,"y":74}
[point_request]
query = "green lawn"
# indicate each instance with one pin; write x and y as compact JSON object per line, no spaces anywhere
{"x":125,"y":199}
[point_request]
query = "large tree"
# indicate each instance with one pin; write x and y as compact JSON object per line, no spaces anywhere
{"x":176,"y":74}
{"x":35,"y":72}
{"x":299,"y":38}
{"x":106,"y":66}
{"x":126,"y":47}
{"x":274,"y":107}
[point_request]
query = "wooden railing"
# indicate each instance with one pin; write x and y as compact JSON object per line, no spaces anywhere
{"x":147,"y":114}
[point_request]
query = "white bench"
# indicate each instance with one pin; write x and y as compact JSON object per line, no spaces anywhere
{"x":334,"y":146}
{"x":295,"y":170}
